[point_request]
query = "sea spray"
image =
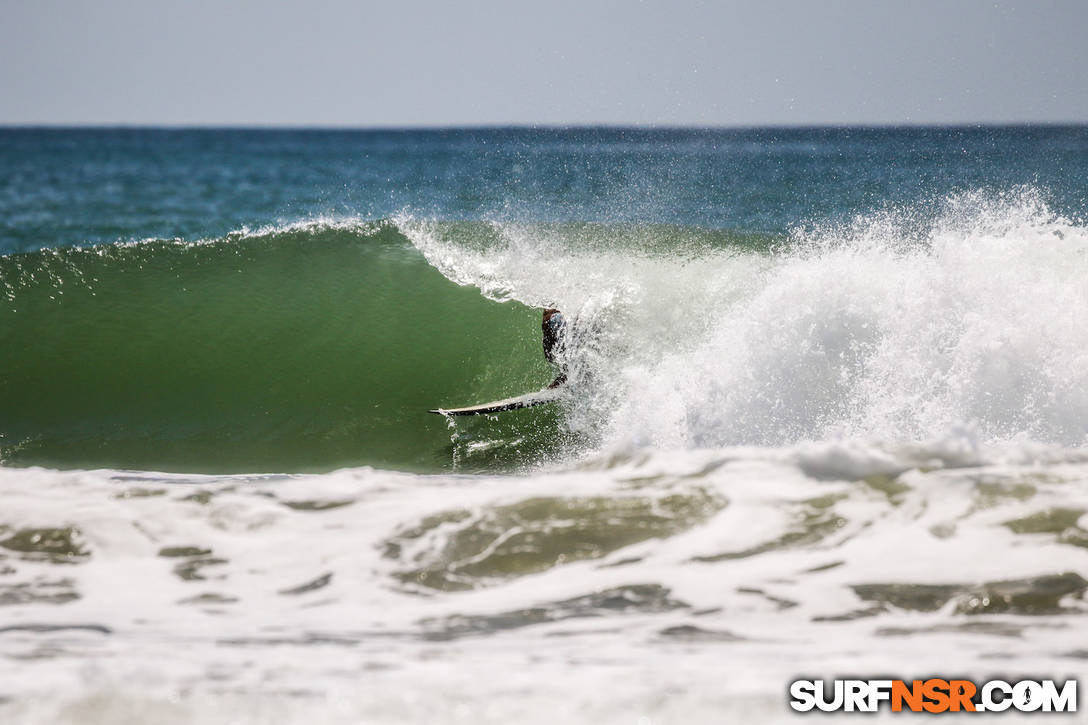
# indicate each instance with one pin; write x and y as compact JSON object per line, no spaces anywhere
{"x":887,"y":326}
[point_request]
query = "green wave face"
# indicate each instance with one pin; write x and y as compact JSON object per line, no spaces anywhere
{"x":302,"y":349}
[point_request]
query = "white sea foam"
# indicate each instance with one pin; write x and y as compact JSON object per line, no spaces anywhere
{"x":889,"y":327}
{"x":295,"y":593}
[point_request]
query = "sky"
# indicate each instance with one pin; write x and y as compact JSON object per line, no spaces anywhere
{"x":359,"y":63}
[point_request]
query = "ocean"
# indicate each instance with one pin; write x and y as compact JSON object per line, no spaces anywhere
{"x":826,"y":415}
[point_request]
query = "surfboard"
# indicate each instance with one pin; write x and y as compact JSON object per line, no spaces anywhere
{"x":547,"y":395}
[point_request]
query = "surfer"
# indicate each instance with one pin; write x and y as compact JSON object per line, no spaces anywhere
{"x":554,"y":328}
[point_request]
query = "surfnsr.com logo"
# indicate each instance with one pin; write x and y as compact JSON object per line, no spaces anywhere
{"x":933,"y":695}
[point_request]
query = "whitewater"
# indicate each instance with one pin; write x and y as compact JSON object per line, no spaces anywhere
{"x":857,"y":446}
{"x":874,"y":329}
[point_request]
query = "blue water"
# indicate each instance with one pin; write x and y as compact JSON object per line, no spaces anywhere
{"x":62,"y":187}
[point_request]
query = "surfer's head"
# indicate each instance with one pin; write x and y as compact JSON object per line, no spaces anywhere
{"x":552,"y":327}
{"x":553,"y":322}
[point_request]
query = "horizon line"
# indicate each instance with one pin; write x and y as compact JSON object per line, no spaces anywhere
{"x":378,"y":128}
